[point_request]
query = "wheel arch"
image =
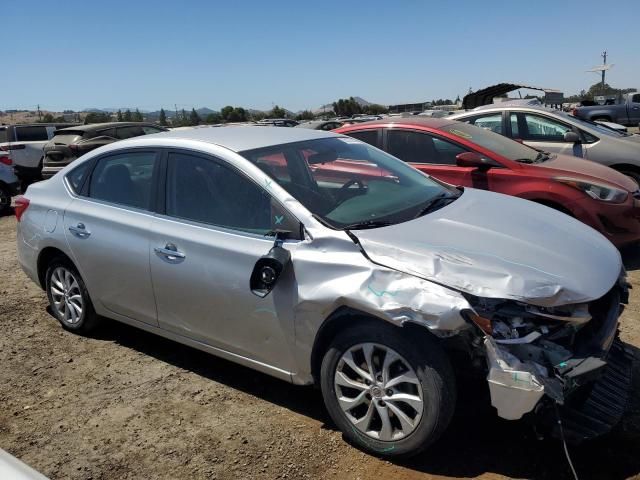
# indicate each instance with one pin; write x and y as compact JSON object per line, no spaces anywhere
{"x":344,"y":317}
{"x":44,"y":259}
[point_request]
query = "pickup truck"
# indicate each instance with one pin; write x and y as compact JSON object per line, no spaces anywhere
{"x":626,"y":113}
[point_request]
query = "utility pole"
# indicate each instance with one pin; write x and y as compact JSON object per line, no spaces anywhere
{"x":39,"y":113}
{"x":176,"y":107}
{"x":604,"y":62}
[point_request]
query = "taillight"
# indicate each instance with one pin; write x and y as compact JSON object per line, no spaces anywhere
{"x":22,"y":203}
{"x":574,"y":112}
{"x":6,"y":160}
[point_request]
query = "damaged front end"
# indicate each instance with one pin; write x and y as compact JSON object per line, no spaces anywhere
{"x":568,"y":355}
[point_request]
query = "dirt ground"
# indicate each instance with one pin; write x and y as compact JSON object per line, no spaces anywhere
{"x":127,"y":404}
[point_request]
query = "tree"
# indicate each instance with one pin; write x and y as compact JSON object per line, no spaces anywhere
{"x":375,"y":109}
{"x":347,"y":107}
{"x":231,"y":114}
{"x":137,"y":116}
{"x":162,"y":118}
{"x":305,"y":115}
{"x":226,"y":112}
{"x":119,"y":117}
{"x":278,"y":112}
{"x":97,"y":117}
{"x":194,"y":118}
{"x":213,"y":118}
{"x":127,"y":116}
{"x":48,"y":118}
{"x":258,"y":115}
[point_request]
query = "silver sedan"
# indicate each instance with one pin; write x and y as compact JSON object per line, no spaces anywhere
{"x":317,"y":258}
{"x":558,"y":132}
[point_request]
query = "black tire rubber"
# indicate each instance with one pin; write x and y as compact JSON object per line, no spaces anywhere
{"x":89,"y":320}
{"x":432,"y":367}
{"x":5,"y":201}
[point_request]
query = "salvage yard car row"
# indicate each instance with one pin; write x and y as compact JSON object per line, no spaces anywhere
{"x":320,"y":259}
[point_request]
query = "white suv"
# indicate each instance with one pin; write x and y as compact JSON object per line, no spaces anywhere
{"x":24,"y":145}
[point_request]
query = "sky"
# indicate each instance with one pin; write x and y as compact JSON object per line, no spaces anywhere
{"x":299,"y":54}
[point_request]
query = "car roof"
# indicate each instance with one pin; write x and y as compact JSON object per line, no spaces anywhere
{"x":99,"y":126}
{"x":412,"y":120}
{"x":240,"y":138}
{"x":500,"y":107}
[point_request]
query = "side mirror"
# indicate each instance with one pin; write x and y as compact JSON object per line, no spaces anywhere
{"x":269,"y":267}
{"x":475,"y":160}
{"x":571,"y":137}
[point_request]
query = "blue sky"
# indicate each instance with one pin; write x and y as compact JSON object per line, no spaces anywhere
{"x":298,"y":54}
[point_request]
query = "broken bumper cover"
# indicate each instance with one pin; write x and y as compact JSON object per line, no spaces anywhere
{"x":592,"y":387}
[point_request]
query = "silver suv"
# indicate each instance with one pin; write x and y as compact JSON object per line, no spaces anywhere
{"x":319,"y":259}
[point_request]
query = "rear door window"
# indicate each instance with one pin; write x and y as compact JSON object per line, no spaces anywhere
{"x":368,"y":136}
{"x":124,"y":179}
{"x":411,"y":147}
{"x":32,"y":134}
{"x":3,"y":135}
{"x":491,"y":121}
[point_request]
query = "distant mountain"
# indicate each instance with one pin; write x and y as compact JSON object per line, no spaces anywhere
{"x":112,"y":110}
{"x":328,"y":107}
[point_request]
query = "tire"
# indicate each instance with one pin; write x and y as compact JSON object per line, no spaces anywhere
{"x":432,"y":380}
{"x":5,"y":200}
{"x":68,"y":297}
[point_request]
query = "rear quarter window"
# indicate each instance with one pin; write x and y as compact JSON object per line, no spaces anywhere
{"x":77,"y":177}
{"x":3,"y":135}
{"x":32,"y":134}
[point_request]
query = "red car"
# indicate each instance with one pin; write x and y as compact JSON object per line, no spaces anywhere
{"x":469,"y":156}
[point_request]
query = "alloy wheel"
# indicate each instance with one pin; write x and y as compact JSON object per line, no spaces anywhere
{"x":378,"y":391}
{"x":66,"y":295}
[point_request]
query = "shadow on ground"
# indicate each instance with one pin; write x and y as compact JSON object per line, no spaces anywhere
{"x":631,"y":257}
{"x":476,"y":442}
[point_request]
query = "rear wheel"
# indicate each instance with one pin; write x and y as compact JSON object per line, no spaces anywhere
{"x":389,"y":394}
{"x":68,"y":297}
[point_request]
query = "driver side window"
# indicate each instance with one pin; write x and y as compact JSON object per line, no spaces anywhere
{"x":205,"y":190}
{"x":543,"y":129}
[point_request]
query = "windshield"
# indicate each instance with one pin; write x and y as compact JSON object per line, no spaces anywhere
{"x":348,"y":184}
{"x":496,"y":143}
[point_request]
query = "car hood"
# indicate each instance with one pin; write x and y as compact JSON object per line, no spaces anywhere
{"x":580,"y":168}
{"x":492,"y":245}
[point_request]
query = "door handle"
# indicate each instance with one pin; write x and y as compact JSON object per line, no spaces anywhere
{"x":79,"y":230}
{"x":170,"y":251}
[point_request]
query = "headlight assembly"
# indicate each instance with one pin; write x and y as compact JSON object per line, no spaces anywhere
{"x":606,"y":193}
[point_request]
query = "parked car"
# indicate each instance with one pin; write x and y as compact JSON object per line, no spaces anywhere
{"x":277,"y":122}
{"x":626,"y":113}
{"x":321,"y":124}
{"x":465,"y":155}
{"x":9,"y":183}
{"x":70,"y":143}
{"x":24,"y":145}
{"x":361,"y":285}
{"x":558,"y":132}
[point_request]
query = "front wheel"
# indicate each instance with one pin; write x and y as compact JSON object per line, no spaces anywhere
{"x":390,"y":393}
